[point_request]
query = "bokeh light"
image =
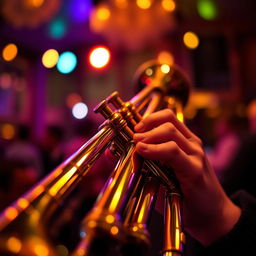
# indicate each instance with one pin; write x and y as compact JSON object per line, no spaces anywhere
{"x":9,"y":52}
{"x":80,"y":10}
{"x":33,"y":3}
{"x":165,"y":57}
{"x":169,"y":5}
{"x":14,"y":244}
{"x":58,"y":28}
{"x":67,"y":62}
{"x":8,"y":131}
{"x":103,"y":13}
{"x":72,"y":99}
{"x":50,"y":58}
{"x":165,"y":68}
{"x":99,"y":57}
{"x":80,"y":110}
{"x":5,"y":81}
{"x":207,"y":9}
{"x":191,"y":40}
{"x":144,"y":4}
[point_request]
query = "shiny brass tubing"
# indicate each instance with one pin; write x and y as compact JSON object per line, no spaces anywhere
{"x":173,"y":235}
{"x":104,"y":219}
{"x":154,"y":104}
{"x":137,"y":220}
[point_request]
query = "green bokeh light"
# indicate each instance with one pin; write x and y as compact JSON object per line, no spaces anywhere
{"x":207,"y":9}
{"x":57,"y":28}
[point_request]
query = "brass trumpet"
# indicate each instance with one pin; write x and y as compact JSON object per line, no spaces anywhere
{"x":120,"y":217}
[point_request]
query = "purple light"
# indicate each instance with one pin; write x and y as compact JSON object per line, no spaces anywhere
{"x":80,"y":10}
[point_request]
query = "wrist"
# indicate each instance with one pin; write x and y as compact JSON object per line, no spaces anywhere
{"x":221,"y":225}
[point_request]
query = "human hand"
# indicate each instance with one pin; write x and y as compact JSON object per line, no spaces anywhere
{"x":208,"y":213}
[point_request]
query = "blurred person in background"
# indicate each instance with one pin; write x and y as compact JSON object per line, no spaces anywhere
{"x":52,"y":148}
{"x":241,"y":172}
{"x":22,"y":149}
{"x":16,"y":177}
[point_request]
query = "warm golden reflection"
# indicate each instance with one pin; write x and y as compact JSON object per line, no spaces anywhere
{"x":34,"y":217}
{"x":10,"y":213}
{"x":59,"y":184}
{"x":103,"y":13}
{"x":177,"y":238}
{"x":38,"y":190}
{"x":145,"y":204}
{"x":144,"y":4}
{"x":135,"y":229}
{"x":114,"y":230}
{"x":169,"y":5}
{"x":180,"y":117}
{"x":92,"y":224}
{"x":41,"y":250}
{"x":14,"y":244}
{"x":80,"y":161}
{"x":110,"y":218}
{"x":23,"y":203}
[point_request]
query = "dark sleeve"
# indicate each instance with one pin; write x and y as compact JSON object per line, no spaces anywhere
{"x":240,"y":174}
{"x":241,"y":240}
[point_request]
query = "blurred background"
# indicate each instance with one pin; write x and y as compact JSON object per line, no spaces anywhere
{"x":60,"y":58}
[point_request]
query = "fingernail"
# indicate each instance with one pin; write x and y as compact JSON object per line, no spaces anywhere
{"x":139,"y":126}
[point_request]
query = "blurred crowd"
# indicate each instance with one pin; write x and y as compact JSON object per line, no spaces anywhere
{"x":23,"y":161}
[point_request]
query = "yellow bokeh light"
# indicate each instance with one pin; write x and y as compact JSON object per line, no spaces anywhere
{"x":165,"y":68}
{"x":14,"y":244}
{"x":135,"y":229}
{"x":50,"y":58}
{"x":9,"y":52}
{"x":180,"y":117}
{"x":121,"y":4}
{"x":144,"y":4}
{"x":169,"y":5}
{"x":110,"y":218}
{"x":103,"y":13}
{"x":8,"y":131}
{"x":99,"y":57}
{"x":191,"y":40}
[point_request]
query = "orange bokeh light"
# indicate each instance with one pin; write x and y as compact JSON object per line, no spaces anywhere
{"x":9,"y":52}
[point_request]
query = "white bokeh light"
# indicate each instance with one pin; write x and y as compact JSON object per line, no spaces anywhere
{"x":80,"y":110}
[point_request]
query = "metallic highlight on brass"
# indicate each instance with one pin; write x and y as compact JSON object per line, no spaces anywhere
{"x":120,"y":217}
